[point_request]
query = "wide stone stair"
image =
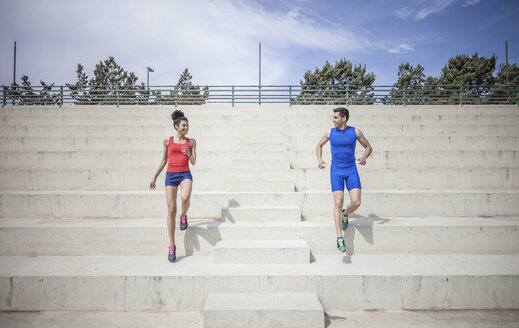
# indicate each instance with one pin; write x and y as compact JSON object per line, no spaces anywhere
{"x":82,"y":238}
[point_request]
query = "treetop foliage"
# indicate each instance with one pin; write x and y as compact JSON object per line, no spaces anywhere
{"x":336,"y":84}
{"x":463,"y":77}
{"x":465,"y":70}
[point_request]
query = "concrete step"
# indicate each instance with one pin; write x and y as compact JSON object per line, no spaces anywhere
{"x":424,"y":319}
{"x":313,"y":203}
{"x":196,"y":121}
{"x":100,"y":120}
{"x":145,"y":160}
{"x":260,"y":132}
{"x":261,"y":251}
{"x":444,"y":110}
{"x":262,"y":180}
{"x":306,"y":130}
{"x":440,"y":143}
{"x":134,"y":144}
{"x":149,"y":160}
{"x":283,"y":310}
{"x":388,"y":235}
{"x":261,"y":163}
{"x":426,"y":178}
{"x":252,"y":111}
{"x":151,"y":283}
{"x":118,"y":131}
{"x":90,"y":319}
{"x":280,"y":146}
{"x":418,"y":159}
{"x":123,"y":110}
{"x":381,"y":117}
{"x":408,"y":109}
{"x":316,"y":131}
{"x":433,"y":119}
{"x":333,"y":319}
{"x":259,"y":184}
{"x":261,"y":213}
{"x":134,"y":179}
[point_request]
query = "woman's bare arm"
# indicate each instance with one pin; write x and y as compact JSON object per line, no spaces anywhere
{"x":162,"y":164}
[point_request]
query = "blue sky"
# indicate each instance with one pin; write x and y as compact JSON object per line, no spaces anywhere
{"x":218,"y":40}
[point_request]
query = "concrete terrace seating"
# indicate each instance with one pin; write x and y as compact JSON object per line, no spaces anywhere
{"x":81,"y":231}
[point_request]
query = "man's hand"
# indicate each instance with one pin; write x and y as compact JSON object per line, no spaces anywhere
{"x":362,"y":161}
{"x":322,"y":164}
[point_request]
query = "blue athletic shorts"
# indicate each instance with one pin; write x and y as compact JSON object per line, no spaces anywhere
{"x":339,"y":176}
{"x":175,"y":178}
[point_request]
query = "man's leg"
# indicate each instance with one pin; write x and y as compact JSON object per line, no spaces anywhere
{"x":338,"y":202}
{"x":355,"y":195}
{"x":337,"y":182}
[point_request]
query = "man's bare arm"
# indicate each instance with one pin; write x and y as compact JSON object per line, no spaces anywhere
{"x":319,"y":150}
{"x":365,"y":143}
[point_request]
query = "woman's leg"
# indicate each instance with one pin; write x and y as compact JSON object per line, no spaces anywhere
{"x":171,"y":199}
{"x":185,"y":195}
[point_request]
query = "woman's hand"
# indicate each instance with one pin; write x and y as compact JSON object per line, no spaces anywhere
{"x":185,"y":151}
{"x":152,"y":185}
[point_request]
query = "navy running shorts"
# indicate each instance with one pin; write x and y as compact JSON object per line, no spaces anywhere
{"x":175,"y":178}
{"x":340,"y":176}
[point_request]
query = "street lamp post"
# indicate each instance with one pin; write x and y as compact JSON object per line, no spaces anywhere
{"x":148,"y":70}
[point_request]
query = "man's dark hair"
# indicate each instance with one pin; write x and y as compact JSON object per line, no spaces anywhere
{"x":343,"y":111}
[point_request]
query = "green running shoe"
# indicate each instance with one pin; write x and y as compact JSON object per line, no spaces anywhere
{"x":344,"y":220}
{"x":341,"y":248}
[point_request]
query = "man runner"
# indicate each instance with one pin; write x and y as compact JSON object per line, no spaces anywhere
{"x":343,"y":139}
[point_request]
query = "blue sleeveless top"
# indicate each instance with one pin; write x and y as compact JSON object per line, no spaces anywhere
{"x":343,"y":144}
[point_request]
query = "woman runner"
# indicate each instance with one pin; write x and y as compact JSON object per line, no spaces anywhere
{"x":178,"y":152}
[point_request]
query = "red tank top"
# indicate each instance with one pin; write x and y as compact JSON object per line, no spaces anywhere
{"x":178,"y":162}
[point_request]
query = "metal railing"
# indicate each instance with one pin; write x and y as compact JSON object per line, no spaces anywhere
{"x":253,"y":94}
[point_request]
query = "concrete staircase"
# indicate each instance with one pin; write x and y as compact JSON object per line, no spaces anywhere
{"x":80,"y":231}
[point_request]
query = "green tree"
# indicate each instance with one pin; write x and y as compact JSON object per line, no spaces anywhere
{"x":79,"y":90}
{"x":412,"y":86}
{"x":142,"y":95}
{"x":47,"y":97}
{"x":467,"y":79}
{"x":112,"y":82}
{"x":160,"y":99}
{"x":189,"y":94}
{"x":409,"y":86}
{"x":508,"y":74}
{"x":12,"y":93}
{"x":506,"y":89}
{"x":337,"y":84}
{"x":185,"y":92}
{"x":28,"y":95}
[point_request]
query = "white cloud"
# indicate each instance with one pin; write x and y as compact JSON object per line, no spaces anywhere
{"x":217,"y":41}
{"x":404,"y":12}
{"x":436,"y":7}
{"x":470,"y":3}
{"x":401,"y":49}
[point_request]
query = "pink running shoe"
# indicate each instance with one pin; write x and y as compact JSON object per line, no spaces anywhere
{"x":183,"y":222}
{"x":172,"y":253}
